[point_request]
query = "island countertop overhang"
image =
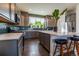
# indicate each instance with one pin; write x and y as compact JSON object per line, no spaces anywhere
{"x":60,"y":33}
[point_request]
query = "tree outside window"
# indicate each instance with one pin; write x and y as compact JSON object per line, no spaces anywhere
{"x":36,"y":22}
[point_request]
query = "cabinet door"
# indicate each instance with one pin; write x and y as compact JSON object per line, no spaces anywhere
{"x":8,"y":48}
{"x":27,"y":35}
{"x":24,"y":18}
{"x":33,"y":34}
{"x":5,"y":9}
{"x":12,"y":9}
{"x":45,"y":40}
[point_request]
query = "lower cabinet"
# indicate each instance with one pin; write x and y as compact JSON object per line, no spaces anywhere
{"x":31,"y":34}
{"x":11,"y":47}
{"x":8,"y":48}
{"x":45,"y":40}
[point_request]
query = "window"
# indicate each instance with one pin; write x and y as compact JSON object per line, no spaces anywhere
{"x":36,"y":22}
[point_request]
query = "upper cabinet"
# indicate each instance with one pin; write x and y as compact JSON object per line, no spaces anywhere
{"x":5,"y":10}
{"x":18,"y":15}
{"x":24,"y":18}
{"x":9,"y":13}
{"x":12,"y":11}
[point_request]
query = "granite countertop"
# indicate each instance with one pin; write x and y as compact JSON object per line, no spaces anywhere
{"x":10,"y":36}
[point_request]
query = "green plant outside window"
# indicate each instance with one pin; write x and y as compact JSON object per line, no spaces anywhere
{"x":38,"y":24}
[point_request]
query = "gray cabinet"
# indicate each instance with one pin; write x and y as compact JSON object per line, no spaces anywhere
{"x":8,"y":48}
{"x":11,"y":47}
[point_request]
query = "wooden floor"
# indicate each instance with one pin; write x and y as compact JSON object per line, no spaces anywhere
{"x":32,"y":47}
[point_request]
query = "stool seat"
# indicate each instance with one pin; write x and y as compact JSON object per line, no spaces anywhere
{"x":60,"y":41}
{"x":71,"y":38}
{"x":74,"y":38}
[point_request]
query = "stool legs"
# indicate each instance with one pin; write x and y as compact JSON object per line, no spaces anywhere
{"x":74,"y":45}
{"x":68,"y":51}
{"x":61,"y":50}
{"x":70,"y":44}
{"x":77,"y":48}
{"x":55,"y":50}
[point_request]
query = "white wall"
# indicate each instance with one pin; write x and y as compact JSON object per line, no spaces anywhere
{"x":61,"y":23}
{"x":77,"y":18}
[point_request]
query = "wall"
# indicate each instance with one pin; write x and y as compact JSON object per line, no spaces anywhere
{"x":61,"y":23}
{"x":50,"y":22}
{"x":77,"y":18}
{"x":71,"y":20}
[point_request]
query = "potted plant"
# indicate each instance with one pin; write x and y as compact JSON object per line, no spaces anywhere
{"x":56,"y":15}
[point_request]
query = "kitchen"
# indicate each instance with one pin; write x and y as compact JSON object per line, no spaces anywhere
{"x":22,"y":23}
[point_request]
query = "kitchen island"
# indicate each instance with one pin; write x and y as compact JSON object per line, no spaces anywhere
{"x":47,"y":39}
{"x":11,"y":44}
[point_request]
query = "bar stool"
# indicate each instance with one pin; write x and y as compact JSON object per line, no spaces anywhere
{"x":61,"y":43}
{"x":75,"y":39}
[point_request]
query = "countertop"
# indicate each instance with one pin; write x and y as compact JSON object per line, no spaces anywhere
{"x":10,"y":36}
{"x":51,"y":32}
{"x":60,"y":33}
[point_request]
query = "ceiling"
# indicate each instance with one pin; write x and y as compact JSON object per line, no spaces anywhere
{"x":44,"y":8}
